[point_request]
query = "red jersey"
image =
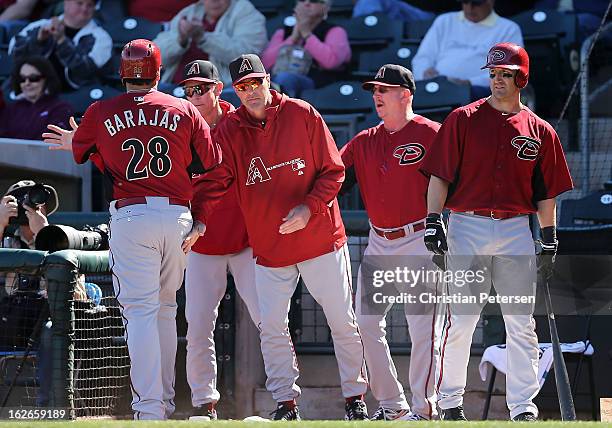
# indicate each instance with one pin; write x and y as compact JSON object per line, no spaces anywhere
{"x":148,"y":144}
{"x":387,"y":168}
{"x":290,"y":160}
{"x":225,"y":229}
{"x":497,"y":161}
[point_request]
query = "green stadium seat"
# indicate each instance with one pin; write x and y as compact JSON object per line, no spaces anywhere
{"x":435,"y":98}
{"x":125,"y":29}
{"x":339,"y":98}
{"x":87,"y":95}
{"x":372,"y":30}
{"x":370,"y":61}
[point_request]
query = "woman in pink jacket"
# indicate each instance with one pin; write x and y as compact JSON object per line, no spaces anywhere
{"x":307,"y":52}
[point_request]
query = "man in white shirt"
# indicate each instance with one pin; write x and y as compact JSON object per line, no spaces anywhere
{"x":457,"y":41}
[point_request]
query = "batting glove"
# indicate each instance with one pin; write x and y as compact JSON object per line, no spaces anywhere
{"x":435,"y":234}
{"x":548,"y":251}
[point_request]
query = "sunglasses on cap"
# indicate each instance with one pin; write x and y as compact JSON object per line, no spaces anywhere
{"x":34,"y":78}
{"x":200,"y":89}
{"x":250,"y":83}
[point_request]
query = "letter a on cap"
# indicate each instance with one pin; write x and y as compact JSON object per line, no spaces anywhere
{"x":380,"y":74}
{"x":194,"y":69}
{"x":245,"y":66}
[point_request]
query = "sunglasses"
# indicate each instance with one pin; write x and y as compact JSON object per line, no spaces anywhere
{"x":34,"y":78}
{"x":251,"y":83}
{"x":200,"y":89}
{"x":379,"y":89}
{"x":505,"y":75}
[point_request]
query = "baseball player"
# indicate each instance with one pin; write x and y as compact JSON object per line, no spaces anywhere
{"x":224,"y":247}
{"x":492,"y":164}
{"x":287,"y":171}
{"x":148,"y":144}
{"x":386,"y":160}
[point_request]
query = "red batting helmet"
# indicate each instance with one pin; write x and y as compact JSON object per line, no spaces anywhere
{"x":512,"y":57}
{"x":140,"y":59}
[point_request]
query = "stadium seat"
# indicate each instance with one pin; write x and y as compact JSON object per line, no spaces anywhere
{"x":437,"y":97}
{"x":269,"y":7}
{"x":550,"y":40}
{"x":229,"y":95}
{"x":124,"y":30}
{"x":85,"y":96}
{"x":416,"y":30}
{"x":339,"y":98}
{"x":594,"y":209}
{"x":9,"y":31}
{"x":370,"y":61}
{"x":341,"y":8}
{"x":372,"y":30}
{"x":6,"y":64}
{"x":110,"y":10}
{"x":283,"y":19}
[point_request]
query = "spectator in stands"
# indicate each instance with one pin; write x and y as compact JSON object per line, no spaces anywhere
{"x":157,"y":10}
{"x":36,"y":86}
{"x":394,"y":9}
{"x":456,"y":42}
{"x":215,"y":30}
{"x":306,"y":55}
{"x":75,"y":44}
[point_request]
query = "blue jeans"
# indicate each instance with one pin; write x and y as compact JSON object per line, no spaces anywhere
{"x":394,"y":9}
{"x":293,"y":83}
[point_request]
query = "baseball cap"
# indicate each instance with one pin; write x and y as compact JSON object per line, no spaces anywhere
{"x":201,"y":71}
{"x":392,"y":75}
{"x":246,"y":66}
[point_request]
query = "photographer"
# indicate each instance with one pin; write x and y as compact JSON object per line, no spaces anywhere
{"x":34,"y":215}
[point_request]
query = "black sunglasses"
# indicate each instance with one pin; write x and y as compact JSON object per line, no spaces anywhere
{"x":34,"y":78}
{"x":200,"y":89}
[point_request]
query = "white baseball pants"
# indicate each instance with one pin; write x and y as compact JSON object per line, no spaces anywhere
{"x":147,"y":264}
{"x":328,"y":279}
{"x":424,"y":328}
{"x":205,"y":286}
{"x":507,"y":251}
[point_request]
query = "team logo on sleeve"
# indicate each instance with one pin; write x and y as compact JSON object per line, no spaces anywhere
{"x":527,"y":147}
{"x":409,"y":154}
{"x":259,"y":172}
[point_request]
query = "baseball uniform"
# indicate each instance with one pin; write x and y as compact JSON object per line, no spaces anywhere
{"x":149,"y":143}
{"x":386,"y":165}
{"x":277,"y":164}
{"x":223,"y":248}
{"x":499,"y":165}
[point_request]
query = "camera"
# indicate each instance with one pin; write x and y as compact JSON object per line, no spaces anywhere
{"x":33,"y":196}
{"x":58,"y":237}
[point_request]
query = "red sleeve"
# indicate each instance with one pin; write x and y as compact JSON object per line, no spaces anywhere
{"x":347,"y":153}
{"x":328,"y":163}
{"x":84,"y":139}
{"x":210,"y":187}
{"x":444,"y":156}
{"x":206,"y":155}
{"x":97,"y":161}
{"x":551,"y":174}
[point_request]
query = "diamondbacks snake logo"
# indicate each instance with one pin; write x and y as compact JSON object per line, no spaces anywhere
{"x":409,"y":154}
{"x":496,"y":56}
{"x":527,"y":147}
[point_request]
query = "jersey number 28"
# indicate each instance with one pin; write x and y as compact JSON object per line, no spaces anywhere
{"x":159,"y":164}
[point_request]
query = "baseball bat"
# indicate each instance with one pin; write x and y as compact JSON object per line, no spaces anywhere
{"x":564,"y":390}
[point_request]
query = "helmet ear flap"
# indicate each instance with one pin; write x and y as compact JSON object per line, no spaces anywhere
{"x":520,"y":79}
